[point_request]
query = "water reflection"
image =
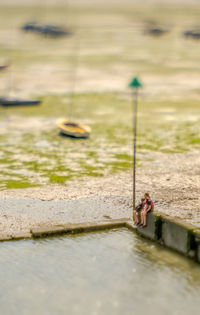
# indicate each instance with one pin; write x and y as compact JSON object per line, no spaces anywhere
{"x":111,"y":272}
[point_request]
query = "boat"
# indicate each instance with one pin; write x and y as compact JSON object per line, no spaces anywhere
{"x":6,"y":102}
{"x":194,"y":34}
{"x":54,"y":31}
{"x":3,"y":67}
{"x":73,"y":129}
{"x":46,"y":29}
{"x":156,"y":31}
{"x":12,"y":102}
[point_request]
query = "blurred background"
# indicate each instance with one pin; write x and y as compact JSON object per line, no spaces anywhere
{"x":77,"y":57}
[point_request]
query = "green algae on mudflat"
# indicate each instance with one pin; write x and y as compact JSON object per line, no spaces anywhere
{"x":56,"y":179}
{"x":16,"y":184}
{"x":54,"y":159}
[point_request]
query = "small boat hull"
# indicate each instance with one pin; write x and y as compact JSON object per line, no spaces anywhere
{"x":73,"y":129}
{"x":46,"y":29}
{"x":3,"y":67}
{"x":17,"y":102}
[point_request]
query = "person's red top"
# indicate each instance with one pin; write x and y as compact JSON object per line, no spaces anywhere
{"x":151,"y":204}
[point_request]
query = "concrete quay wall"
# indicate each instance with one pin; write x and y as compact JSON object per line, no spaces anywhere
{"x":172,"y":233}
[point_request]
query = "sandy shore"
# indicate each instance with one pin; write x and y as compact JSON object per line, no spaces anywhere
{"x":172,"y":179}
{"x":20,"y":215}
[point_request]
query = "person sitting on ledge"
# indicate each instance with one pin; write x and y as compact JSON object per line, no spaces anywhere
{"x":136,"y":212}
{"x":148,"y":207}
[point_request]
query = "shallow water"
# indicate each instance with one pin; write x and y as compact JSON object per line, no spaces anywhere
{"x":110,"y":272}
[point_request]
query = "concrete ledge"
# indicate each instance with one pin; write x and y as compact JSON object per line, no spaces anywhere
{"x":47,"y":230}
{"x":175,"y":236}
{"x":21,"y":235}
{"x":150,"y":231}
{"x":130,"y":225}
{"x":15,"y":236}
{"x":5,"y":237}
{"x":78,"y":227}
{"x":197,"y":242}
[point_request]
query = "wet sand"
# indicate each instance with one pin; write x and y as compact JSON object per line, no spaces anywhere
{"x":172,"y":180}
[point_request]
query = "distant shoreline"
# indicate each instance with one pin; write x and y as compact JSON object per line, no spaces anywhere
{"x":96,"y":2}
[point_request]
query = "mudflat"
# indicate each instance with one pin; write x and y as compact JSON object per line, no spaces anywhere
{"x":42,"y":172}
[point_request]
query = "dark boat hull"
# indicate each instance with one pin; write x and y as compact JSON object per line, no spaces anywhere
{"x":3,"y":67}
{"x":46,"y":30}
{"x":17,"y":102}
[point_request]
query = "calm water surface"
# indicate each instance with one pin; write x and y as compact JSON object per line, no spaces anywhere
{"x":113,"y":272}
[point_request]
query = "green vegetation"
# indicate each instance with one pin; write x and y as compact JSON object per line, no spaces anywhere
{"x":15,"y":184}
{"x":55,"y":179}
{"x":47,"y":157}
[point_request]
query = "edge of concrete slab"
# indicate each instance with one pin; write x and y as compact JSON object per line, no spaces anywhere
{"x":15,"y":236}
{"x":72,"y":228}
{"x":78,"y":227}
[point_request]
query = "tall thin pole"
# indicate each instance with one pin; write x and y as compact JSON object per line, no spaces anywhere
{"x":135,"y":84}
{"x":74,"y":73}
{"x":135,"y":105}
